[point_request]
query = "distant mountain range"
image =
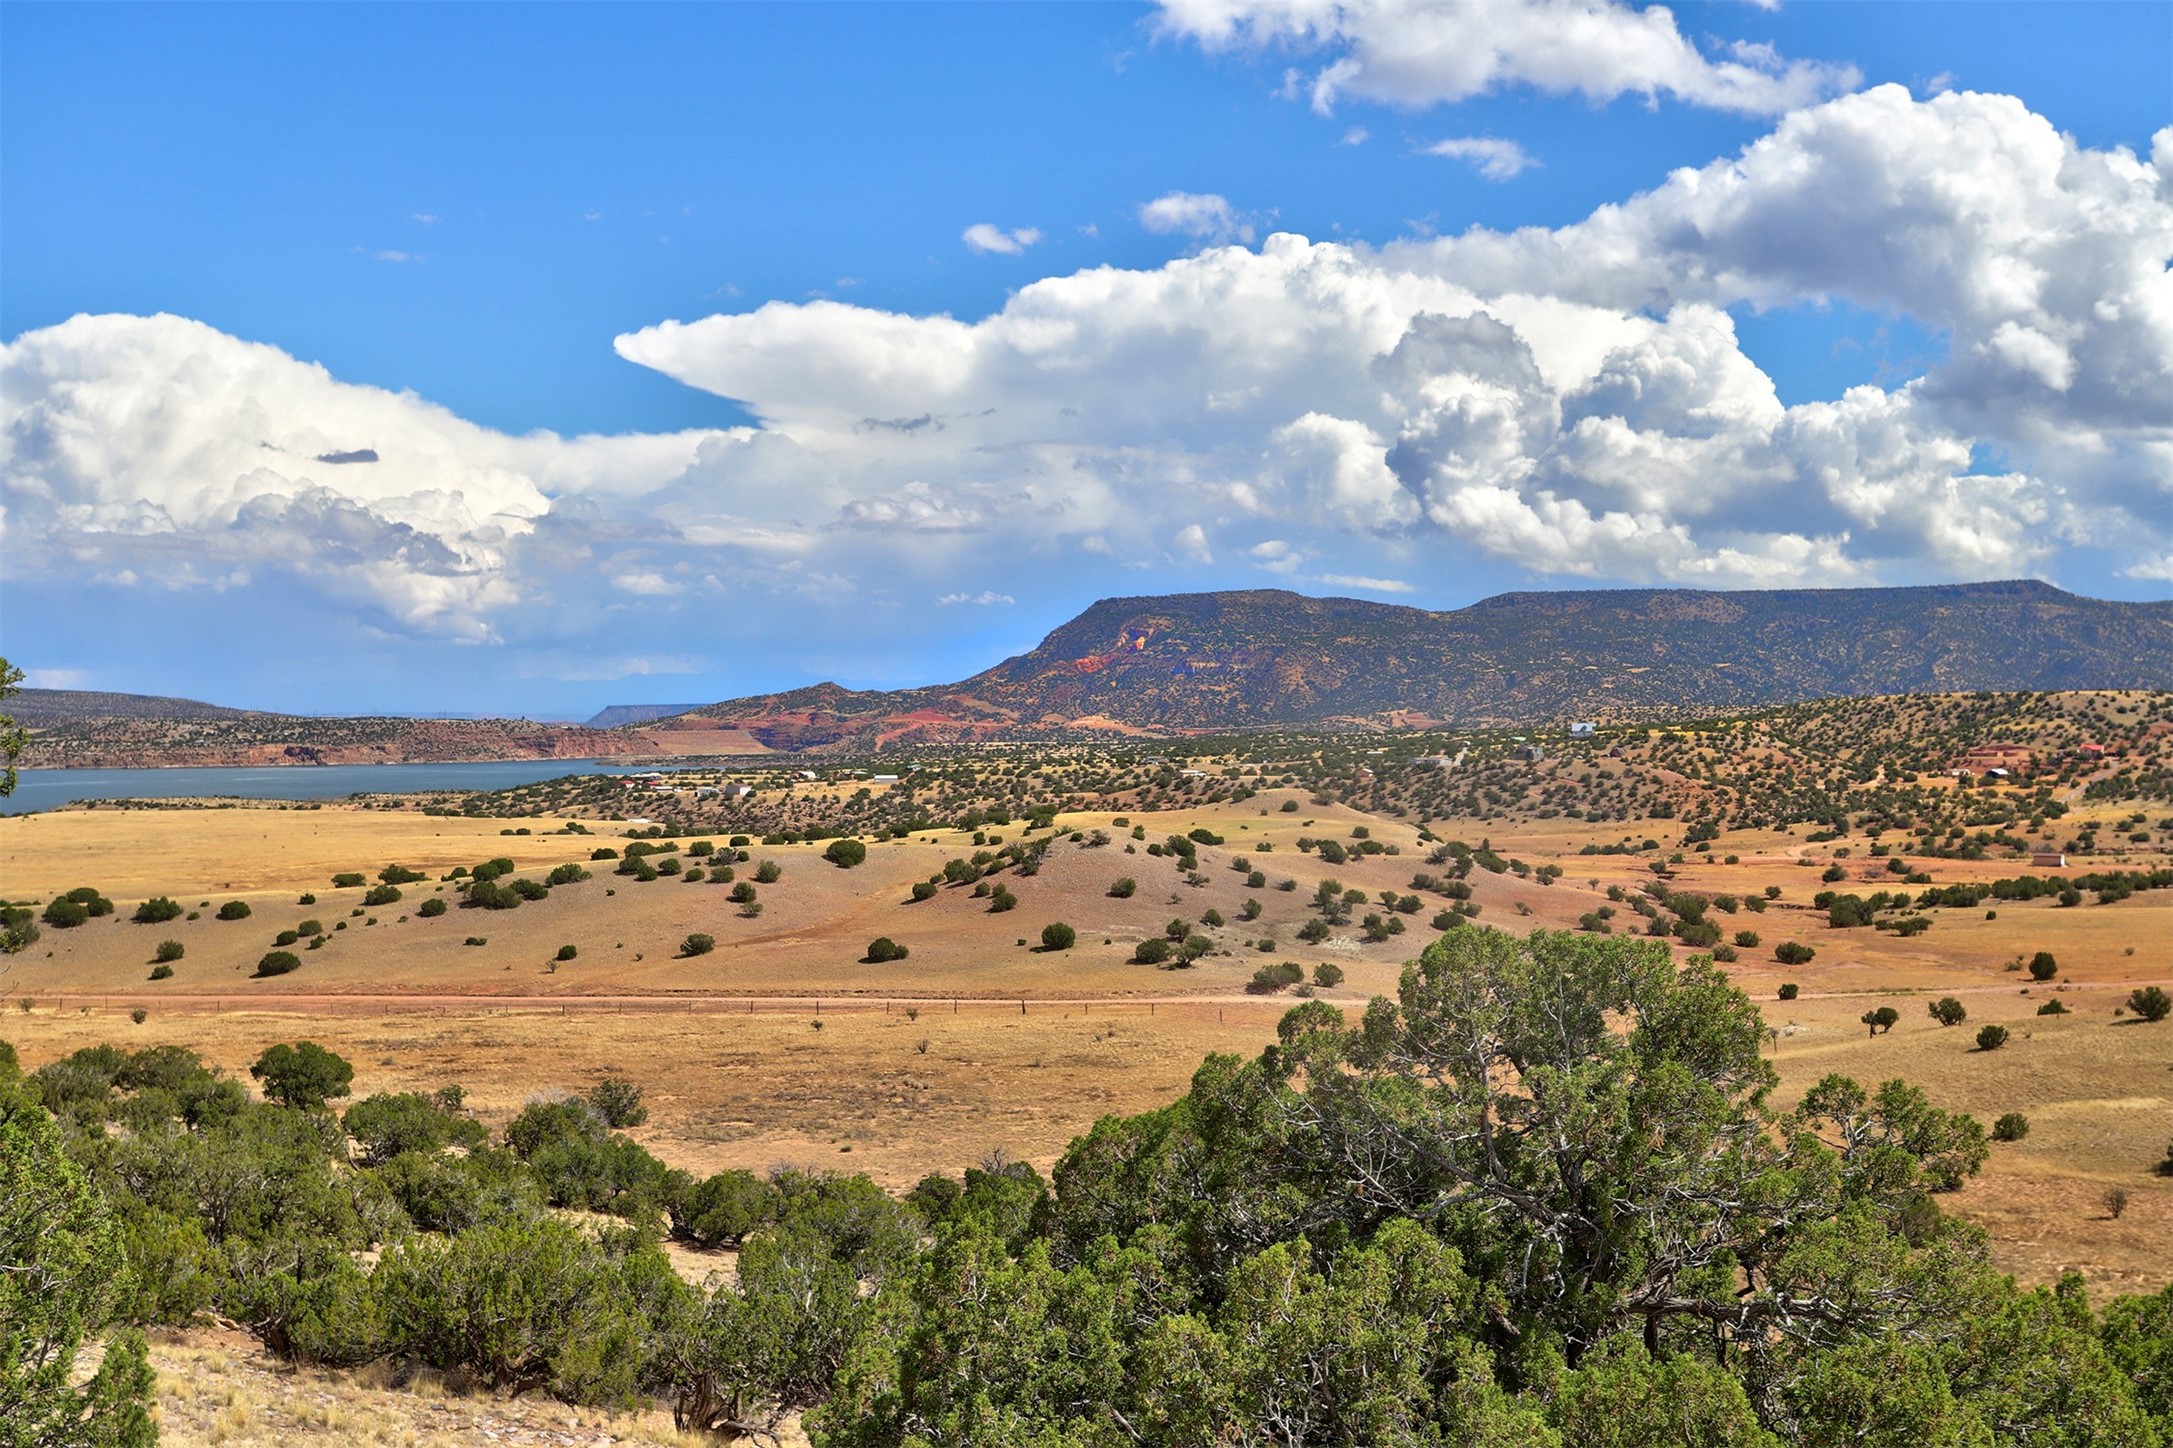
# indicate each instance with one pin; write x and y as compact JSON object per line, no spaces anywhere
{"x":1216,"y":661}
{"x":1208,"y":662}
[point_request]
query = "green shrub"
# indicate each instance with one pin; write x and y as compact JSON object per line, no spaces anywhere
{"x":303,"y":1075}
{"x":2043,"y":966}
{"x":1000,"y":900}
{"x":2011,"y":1126}
{"x":566,"y":874}
{"x":697,"y":944}
{"x":1058,"y":936}
{"x":845,"y":853}
{"x":431,"y":909}
{"x":722,"y":1210}
{"x":65,"y":914}
{"x":567,"y":952}
{"x":351,"y":880}
{"x":1790,"y":952}
{"x":1327,"y":973}
{"x":1122,"y":888}
{"x":162,"y":972}
{"x":157,"y":911}
{"x":285,"y":937}
{"x":924,"y":889}
{"x":618,"y":1101}
{"x":1154,"y":950}
{"x":767,"y":872}
{"x":1789,"y":990}
{"x":1948,"y":1011}
{"x":1269,"y":979}
{"x":168,"y":950}
{"x":1991,"y":1038}
{"x":310,"y":927}
{"x":2052,"y":1008}
{"x":278,"y":962}
{"x":2151,"y":1003}
{"x":234,"y":910}
{"x":883,"y":949}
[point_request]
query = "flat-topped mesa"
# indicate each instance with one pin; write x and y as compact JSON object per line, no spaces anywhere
{"x":1256,"y":657}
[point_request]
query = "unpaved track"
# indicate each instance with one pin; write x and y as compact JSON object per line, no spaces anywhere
{"x":364,"y":1003}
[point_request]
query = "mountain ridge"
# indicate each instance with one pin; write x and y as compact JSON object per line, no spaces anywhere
{"x":1176,"y":663}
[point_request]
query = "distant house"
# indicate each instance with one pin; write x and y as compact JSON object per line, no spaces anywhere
{"x":1997,"y":760}
{"x":1583,"y":729}
{"x":2050,"y":859}
{"x":882,"y":779}
{"x":738,"y":791}
{"x":1529,"y":753}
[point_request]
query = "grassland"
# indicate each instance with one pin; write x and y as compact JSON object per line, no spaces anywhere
{"x":781,"y":1046}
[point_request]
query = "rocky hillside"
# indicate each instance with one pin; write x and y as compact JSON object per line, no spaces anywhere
{"x":1214,"y":661}
{"x":81,"y":730}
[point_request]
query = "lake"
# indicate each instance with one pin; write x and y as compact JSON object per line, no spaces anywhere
{"x":37,"y":789}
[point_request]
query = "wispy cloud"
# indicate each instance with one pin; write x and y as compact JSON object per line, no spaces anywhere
{"x":986,"y":238}
{"x":1491,"y":157}
{"x":984,"y":599}
{"x":1366,"y":585}
{"x":1202,"y":216}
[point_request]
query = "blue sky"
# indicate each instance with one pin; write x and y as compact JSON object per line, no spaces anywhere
{"x":468,"y":208}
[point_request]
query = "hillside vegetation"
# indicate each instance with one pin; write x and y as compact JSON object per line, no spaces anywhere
{"x":1544,"y":1195}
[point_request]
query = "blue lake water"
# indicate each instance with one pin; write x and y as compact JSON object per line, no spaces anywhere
{"x":37,"y":789}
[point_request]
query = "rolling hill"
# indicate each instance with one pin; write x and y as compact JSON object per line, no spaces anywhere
{"x":1216,"y":661}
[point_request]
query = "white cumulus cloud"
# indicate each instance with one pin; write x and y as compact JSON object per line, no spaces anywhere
{"x":1417,"y":53}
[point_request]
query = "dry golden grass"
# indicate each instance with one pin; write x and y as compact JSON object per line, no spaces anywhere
{"x":415,"y":1009}
{"x":220,"y":1389}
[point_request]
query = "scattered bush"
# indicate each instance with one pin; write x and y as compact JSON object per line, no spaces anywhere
{"x":1790,"y":952}
{"x":1746,"y":939}
{"x":2151,"y":1003}
{"x":2052,"y":1008}
{"x":168,"y":950}
{"x":924,"y":889}
{"x":1948,"y":1011}
{"x":157,"y":911}
{"x":1058,"y":936}
{"x":2011,"y":1126}
{"x":1000,"y":900}
{"x":278,"y":962}
{"x":1991,"y":1038}
{"x":618,"y":1101}
{"x":1123,"y":888}
{"x":431,"y":909}
{"x":351,"y":880}
{"x":1789,"y":990}
{"x":1154,"y":950}
{"x":768,"y":871}
{"x":882,"y":950}
{"x":234,"y":910}
{"x":2043,"y":966}
{"x":1269,"y":979}
{"x":1327,"y":973}
{"x":845,"y":853}
{"x":697,"y":944}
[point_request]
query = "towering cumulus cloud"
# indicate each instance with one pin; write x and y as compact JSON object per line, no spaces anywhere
{"x":1573,"y":401}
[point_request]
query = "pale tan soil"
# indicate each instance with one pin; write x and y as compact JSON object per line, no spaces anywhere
{"x":219,"y":1388}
